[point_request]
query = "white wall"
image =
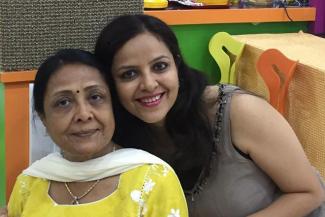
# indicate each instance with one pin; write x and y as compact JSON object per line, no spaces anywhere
{"x":40,"y":144}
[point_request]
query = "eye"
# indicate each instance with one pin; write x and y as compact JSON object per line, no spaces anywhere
{"x":160,"y":66}
{"x":63,"y":103}
{"x":129,"y":75}
{"x":96,"y":97}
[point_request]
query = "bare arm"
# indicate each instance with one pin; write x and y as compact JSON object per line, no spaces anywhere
{"x":260,"y":131}
{"x":3,"y":212}
{"x":210,"y":97}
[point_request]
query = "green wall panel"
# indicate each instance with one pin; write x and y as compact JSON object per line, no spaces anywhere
{"x":194,"y":39}
{"x":2,"y":149}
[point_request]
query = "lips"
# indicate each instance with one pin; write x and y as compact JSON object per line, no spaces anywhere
{"x":85,"y":133}
{"x":150,"y":101}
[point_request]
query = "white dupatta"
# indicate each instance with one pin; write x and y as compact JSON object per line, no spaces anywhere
{"x":54,"y":167}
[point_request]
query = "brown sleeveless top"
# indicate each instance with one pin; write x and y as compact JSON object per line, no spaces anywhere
{"x":235,"y":187}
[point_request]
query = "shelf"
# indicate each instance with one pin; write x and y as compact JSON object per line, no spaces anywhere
{"x":19,"y":76}
{"x":249,"y":15}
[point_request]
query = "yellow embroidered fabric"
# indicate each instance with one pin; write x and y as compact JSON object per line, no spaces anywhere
{"x":146,"y":191}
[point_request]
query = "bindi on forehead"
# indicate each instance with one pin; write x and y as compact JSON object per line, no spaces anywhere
{"x":77,"y":91}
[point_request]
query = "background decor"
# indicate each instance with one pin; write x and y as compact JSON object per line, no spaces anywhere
{"x":30,"y":30}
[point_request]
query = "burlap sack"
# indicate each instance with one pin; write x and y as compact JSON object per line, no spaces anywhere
{"x":306,"y":96}
{"x":30,"y":30}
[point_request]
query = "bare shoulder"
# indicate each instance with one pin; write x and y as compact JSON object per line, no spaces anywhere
{"x":210,"y":99}
{"x":211,"y":93}
{"x":249,"y":112}
{"x":254,"y":120}
{"x":3,"y":212}
{"x":250,"y":105}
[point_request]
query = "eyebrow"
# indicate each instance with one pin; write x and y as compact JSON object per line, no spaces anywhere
{"x":154,"y":60}
{"x":96,"y":86}
{"x":158,"y":58}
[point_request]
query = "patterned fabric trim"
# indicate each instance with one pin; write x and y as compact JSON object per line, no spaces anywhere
{"x":224,"y":91}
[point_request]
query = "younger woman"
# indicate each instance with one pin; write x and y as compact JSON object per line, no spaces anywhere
{"x":234,"y":154}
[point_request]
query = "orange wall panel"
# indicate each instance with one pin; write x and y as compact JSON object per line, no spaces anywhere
{"x":17,"y":131}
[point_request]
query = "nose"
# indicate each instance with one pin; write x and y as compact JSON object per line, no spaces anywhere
{"x":83,"y":112}
{"x":149,"y":82}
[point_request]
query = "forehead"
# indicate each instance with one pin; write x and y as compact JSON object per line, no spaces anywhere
{"x":75,"y":74}
{"x":145,"y":43}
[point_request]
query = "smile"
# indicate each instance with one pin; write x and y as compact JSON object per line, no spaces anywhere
{"x":151,"y":101}
{"x":85,"y":133}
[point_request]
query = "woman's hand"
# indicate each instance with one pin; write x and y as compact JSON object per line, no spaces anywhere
{"x":3,"y":212}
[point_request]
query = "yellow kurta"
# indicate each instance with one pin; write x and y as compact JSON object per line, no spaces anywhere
{"x":146,"y":191}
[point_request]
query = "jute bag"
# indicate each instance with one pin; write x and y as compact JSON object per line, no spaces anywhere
{"x":306,"y":95}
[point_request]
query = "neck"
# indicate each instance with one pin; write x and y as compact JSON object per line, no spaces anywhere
{"x":111,"y":147}
{"x":159,"y":124}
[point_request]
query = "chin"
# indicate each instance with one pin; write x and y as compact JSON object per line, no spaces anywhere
{"x":155,"y":121}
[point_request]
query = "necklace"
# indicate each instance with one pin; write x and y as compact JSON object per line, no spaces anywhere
{"x":76,"y":199}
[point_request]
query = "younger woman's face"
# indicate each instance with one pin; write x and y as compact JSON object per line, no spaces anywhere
{"x":146,"y":78}
{"x":77,"y":112}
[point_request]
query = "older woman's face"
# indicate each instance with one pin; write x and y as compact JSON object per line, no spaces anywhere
{"x":77,"y":112}
{"x":146,"y":78}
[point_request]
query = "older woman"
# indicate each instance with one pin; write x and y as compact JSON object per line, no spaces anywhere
{"x":92,"y":176}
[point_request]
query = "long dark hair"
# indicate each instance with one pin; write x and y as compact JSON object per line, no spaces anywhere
{"x":186,"y":123}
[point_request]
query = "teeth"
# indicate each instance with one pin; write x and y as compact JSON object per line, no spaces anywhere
{"x":152,"y":99}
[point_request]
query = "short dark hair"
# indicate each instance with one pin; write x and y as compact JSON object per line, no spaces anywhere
{"x":53,"y":64}
{"x":186,"y":122}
